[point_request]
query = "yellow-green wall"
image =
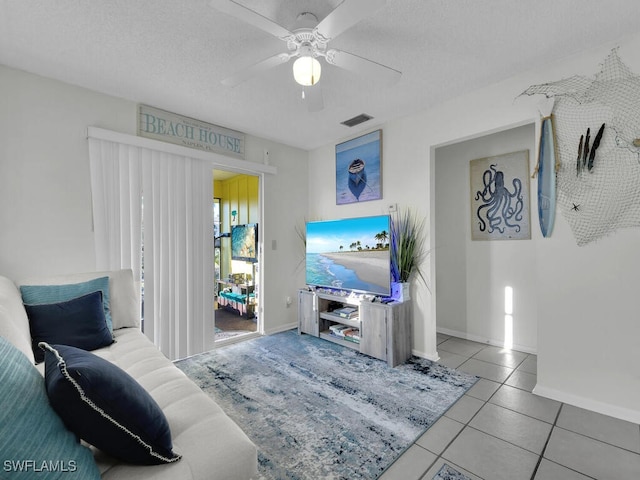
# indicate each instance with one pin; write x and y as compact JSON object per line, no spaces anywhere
{"x":239,"y":193}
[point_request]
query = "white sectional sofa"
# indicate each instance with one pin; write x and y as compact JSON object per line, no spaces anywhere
{"x":210,"y":444}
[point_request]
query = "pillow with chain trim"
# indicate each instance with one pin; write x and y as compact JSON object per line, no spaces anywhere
{"x":106,"y":407}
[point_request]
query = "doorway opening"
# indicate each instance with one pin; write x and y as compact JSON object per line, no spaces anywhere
{"x":485,"y":290}
{"x":236,"y":211}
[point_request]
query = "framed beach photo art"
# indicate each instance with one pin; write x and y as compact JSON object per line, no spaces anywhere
{"x":500,"y":197}
{"x":358,"y":169}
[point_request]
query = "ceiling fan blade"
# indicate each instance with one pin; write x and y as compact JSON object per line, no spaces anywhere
{"x":249,"y":16}
{"x":313,"y":98}
{"x":345,"y":15}
{"x":362,"y":66}
{"x":256,"y":69}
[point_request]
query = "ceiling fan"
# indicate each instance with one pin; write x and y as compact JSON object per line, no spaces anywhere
{"x":307,"y":43}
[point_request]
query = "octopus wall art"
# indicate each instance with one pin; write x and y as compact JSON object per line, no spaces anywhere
{"x":500,"y":197}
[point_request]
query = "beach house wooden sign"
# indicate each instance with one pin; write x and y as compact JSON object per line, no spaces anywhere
{"x":173,"y":128}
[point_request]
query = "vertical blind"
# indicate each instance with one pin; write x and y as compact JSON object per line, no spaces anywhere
{"x":153,"y":213}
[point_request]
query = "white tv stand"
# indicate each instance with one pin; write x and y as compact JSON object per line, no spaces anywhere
{"x":385,"y":329}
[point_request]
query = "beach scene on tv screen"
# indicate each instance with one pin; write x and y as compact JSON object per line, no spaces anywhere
{"x":350,"y":254}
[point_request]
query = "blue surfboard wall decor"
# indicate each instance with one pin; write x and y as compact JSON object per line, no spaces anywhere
{"x":547,"y":177}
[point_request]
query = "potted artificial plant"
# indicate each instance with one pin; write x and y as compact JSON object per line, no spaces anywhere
{"x":407,"y":251}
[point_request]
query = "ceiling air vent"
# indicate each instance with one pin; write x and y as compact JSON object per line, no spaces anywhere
{"x":357,"y":120}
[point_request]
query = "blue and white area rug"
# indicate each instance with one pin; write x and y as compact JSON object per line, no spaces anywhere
{"x":319,"y":410}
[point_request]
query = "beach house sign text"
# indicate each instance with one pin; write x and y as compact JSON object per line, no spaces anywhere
{"x":170,"y":127}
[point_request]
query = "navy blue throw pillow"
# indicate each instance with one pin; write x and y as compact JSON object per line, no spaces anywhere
{"x":106,"y":407}
{"x":79,"y":322}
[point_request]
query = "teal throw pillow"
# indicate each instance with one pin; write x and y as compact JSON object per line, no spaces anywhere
{"x":34,"y":443}
{"x":46,"y":294}
{"x":78,"y":322}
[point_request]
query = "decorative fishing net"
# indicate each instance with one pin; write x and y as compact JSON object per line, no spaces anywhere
{"x":598,"y":191}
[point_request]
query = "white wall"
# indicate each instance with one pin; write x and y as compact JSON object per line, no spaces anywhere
{"x":45,"y":196}
{"x":45,"y":192}
{"x":588,"y":327}
{"x":479,"y":271}
{"x":284,"y":204}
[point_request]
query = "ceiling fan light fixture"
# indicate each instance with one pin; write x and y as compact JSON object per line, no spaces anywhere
{"x":306,"y":71}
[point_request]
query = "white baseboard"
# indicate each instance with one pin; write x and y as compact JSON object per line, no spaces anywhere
{"x":622,"y":413}
{"x":433,"y":358}
{"x":488,"y":341}
{"x":281,"y":328}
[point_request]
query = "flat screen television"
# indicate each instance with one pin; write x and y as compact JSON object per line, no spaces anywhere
{"x":350,"y":254}
{"x":244,"y":242}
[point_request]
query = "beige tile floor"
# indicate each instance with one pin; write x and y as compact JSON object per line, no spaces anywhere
{"x":500,"y":430}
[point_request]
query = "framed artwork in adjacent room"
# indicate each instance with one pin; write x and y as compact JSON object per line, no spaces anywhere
{"x":500,"y":197}
{"x":359,"y":169}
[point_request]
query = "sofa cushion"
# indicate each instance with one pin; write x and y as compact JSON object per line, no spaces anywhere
{"x":124,"y":298}
{"x":34,"y":439}
{"x":79,"y":322}
{"x":47,"y":294}
{"x":211,"y":443}
{"x":106,"y":407}
{"x":14,"y":325}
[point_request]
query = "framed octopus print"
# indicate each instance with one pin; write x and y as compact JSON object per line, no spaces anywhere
{"x":500,"y":197}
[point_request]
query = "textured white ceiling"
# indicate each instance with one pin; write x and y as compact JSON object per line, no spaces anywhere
{"x":173,"y":54}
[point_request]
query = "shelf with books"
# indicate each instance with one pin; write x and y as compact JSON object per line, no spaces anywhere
{"x":332,"y":317}
{"x":348,"y":311}
{"x":340,"y":341}
{"x":351,"y":334}
{"x":327,"y":335}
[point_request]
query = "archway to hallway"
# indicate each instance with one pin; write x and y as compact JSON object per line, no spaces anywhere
{"x":474,"y":280}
